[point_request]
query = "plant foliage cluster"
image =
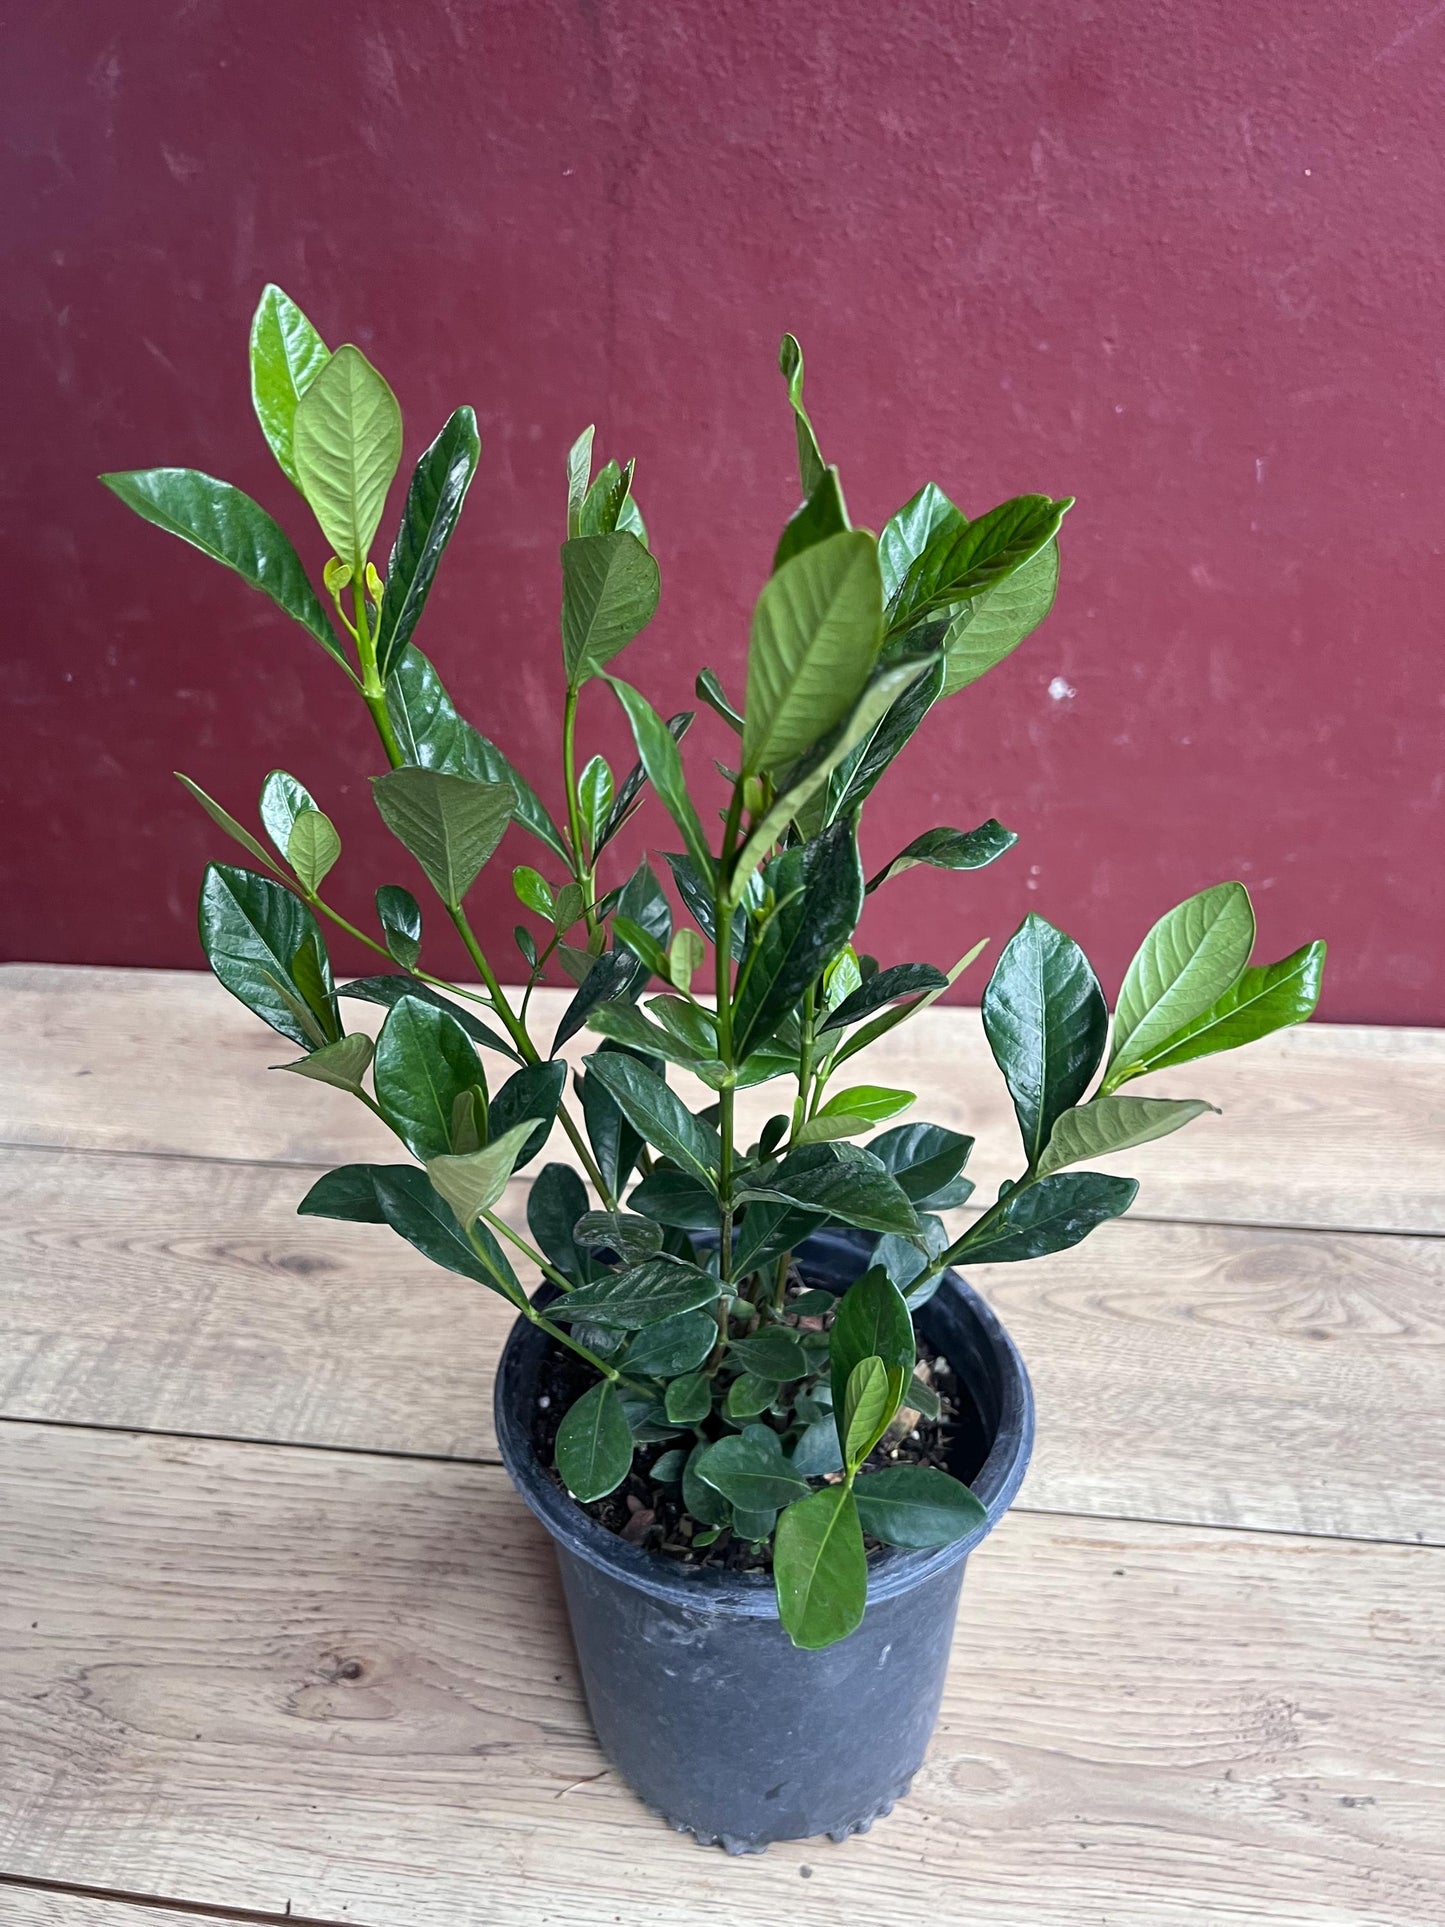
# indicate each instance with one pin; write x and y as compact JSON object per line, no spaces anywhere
{"x":674,"y":1277}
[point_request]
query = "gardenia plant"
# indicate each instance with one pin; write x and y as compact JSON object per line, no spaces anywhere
{"x":714,"y":1369}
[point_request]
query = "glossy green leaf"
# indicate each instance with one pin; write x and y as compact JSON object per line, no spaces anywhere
{"x":950,"y":850}
{"x":820,"y":1568}
{"x":883,"y":987}
{"x":432,"y":734}
{"x":823,"y":514}
{"x":706,"y":1504}
{"x":688,"y":1400}
{"x":811,"y":469}
{"x":887,"y":1020}
{"x":399,"y":914}
{"x":579,"y":473}
{"x":252,"y":930}
{"x":1191,"y":958}
{"x":626,"y":801}
{"x":816,"y":632}
{"x":594,"y":1445}
{"x":644,"y":1294}
{"x":658,"y":1114}
{"x":312,"y":848}
{"x":993,"y":625}
{"x":964,"y":561}
{"x":387,"y":991}
{"x":625,"y":1024}
{"x":917,"y":1507}
{"x":227,"y":525}
{"x":675,"y":1345}
{"x":612,"y":976}
{"x":415,"y":1212}
{"x":434,"y":500}
{"x":686,"y":955}
{"x":856,"y":1190}
{"x":347,"y":1193}
{"x":342,"y":1064}
{"x":594,"y":795}
{"x":643,"y":945}
{"x":657,"y":747}
{"x":1051,"y":1215}
{"x":615,"y":1144}
{"x":631,"y":1237}
{"x":532,"y":1095}
{"x":773,"y":1352}
{"x":873,"y":1103}
{"x":749,"y":1394}
{"x":817,"y":1453}
{"x":714,"y":695}
{"x":610,"y":588}
{"x":346,"y":444}
{"x":871,"y":1321}
{"x":751,"y":1471}
{"x":1264,"y":998}
{"x":451,"y":824}
{"x":1046,"y":1022}
{"x":819,"y":898}
{"x":283,"y":799}
{"x":674,"y":1198}
{"x":225,"y":819}
{"x":424,"y":1062}
{"x":907,"y":534}
{"x":926,"y":1160}
{"x":1108,"y":1124}
{"x":286,"y":356}
{"x":555,"y":1202}
{"x":473,"y":1182}
{"x":870,"y":1399}
{"x":766,"y":1233}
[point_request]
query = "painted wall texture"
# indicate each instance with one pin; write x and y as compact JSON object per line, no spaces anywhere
{"x":1183,"y":261}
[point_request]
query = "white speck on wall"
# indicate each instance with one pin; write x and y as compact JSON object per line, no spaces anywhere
{"x":1259,"y":468}
{"x":1062,"y":691}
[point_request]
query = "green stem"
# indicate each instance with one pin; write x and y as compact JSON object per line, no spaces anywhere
{"x":722,"y":953}
{"x":543,"y":1323}
{"x":582,"y":869}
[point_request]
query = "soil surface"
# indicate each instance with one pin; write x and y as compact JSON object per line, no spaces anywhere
{"x":654,"y":1517}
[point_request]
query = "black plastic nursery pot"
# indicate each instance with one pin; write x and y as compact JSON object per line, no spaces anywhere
{"x":698,"y":1696}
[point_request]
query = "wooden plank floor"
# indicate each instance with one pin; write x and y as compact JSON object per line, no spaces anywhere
{"x":277,"y":1641}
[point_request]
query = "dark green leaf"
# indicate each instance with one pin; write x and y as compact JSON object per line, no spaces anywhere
{"x":750,"y":1471}
{"x":817,"y":1454}
{"x":1109,"y":1124}
{"x":615,"y":1144}
{"x":871,"y":1321}
{"x":657,"y":747}
{"x":348,"y":1193}
{"x":714,"y":695}
{"x":346,"y":443}
{"x":612,"y":976}
{"x":434,"y":499}
{"x":677,"y":1344}
{"x":644,"y":1294}
{"x":632,"y":1238}
{"x":535,"y":1091}
{"x":594,"y":1445}
{"x":822,"y":515}
{"x":856,"y":1190}
{"x":877,"y":748}
{"x":424,"y":1062}
{"x":388,"y":991}
{"x":609,"y":592}
{"x":916,"y":1506}
{"x":1046,"y":1022}
{"x":816,"y":632}
{"x":286,"y":356}
{"x":626,"y":800}
{"x":773,"y":1352}
{"x":1191,"y":959}
{"x":706,"y":1504}
{"x":1264,"y":998}
{"x":1048,"y":1216}
{"x":253,"y":930}
{"x":675,"y":1198}
{"x":556,"y":1201}
{"x":810,"y":462}
{"x":767,"y":1231}
{"x":400,"y":916}
{"x":749,"y":1394}
{"x":666,"y":1468}
{"x":951,"y":850}
{"x":820,"y":1568}
{"x":689,"y":1399}
{"x":451,"y":824}
{"x":413,"y":1210}
{"x":283,"y":801}
{"x":925,"y":1159}
{"x":434,"y":736}
{"x":819,"y":892}
{"x":658,"y":1114}
{"x":229,"y":527}
{"x":695,"y":889}
{"x":884,"y":987}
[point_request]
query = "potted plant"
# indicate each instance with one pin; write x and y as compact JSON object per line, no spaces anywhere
{"x":758,"y":1410}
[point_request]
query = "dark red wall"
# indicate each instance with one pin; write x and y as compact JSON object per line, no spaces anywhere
{"x":1183,"y":261}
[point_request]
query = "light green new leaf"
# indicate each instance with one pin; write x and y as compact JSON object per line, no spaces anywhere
{"x":471,"y":1184}
{"x":1266,"y":997}
{"x":851,"y":1112}
{"x":451,"y":824}
{"x":907,"y":534}
{"x":1115,"y":1124}
{"x":342,"y":1064}
{"x":225,"y":524}
{"x":347,"y":446}
{"x":224,"y":818}
{"x":869,"y":1403}
{"x":820,"y":1568}
{"x":283,"y":799}
{"x":579,"y":473}
{"x":312,"y":848}
{"x":994,"y":624}
{"x":286,"y":356}
{"x":811,"y":467}
{"x":594,"y":1445}
{"x":816,"y":632}
{"x":610,"y":586}
{"x":1188,"y":961}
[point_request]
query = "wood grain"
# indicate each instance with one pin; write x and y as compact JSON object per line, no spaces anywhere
{"x":1328,"y":1126}
{"x":47,"y":1907}
{"x":257,"y":1677}
{"x":1211,"y":1374}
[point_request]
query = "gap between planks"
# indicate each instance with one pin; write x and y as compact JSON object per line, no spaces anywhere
{"x":59,"y":1903}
